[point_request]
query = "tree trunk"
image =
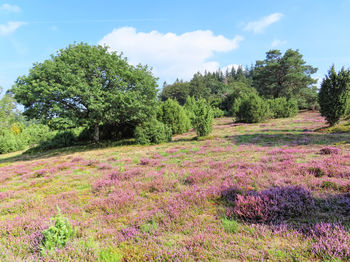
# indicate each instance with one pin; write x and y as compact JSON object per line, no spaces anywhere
{"x":97,"y":134}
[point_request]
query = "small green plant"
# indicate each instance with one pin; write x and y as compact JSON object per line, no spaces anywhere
{"x":110,"y":255}
{"x":57,"y":236}
{"x":230,"y":225}
{"x":149,"y":227}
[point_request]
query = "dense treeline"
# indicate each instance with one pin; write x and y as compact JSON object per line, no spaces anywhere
{"x":278,"y":76}
{"x":85,"y":93}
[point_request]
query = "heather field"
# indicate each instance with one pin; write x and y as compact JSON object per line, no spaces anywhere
{"x":274,"y":191}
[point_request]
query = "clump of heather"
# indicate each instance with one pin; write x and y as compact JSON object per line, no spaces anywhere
{"x":272,"y":205}
{"x":329,"y":150}
{"x":331,"y":241}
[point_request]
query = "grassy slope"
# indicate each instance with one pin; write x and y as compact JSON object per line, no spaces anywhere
{"x":164,"y":201}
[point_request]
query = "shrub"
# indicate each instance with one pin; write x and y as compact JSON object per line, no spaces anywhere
{"x":273,"y":205}
{"x":189,"y":107}
{"x":152,"y":132}
{"x":334,"y":95}
{"x":57,"y":236}
{"x":231,"y":103}
{"x":217,"y":112}
{"x":253,"y":109}
{"x":230,"y":225}
{"x":329,"y":150}
{"x":36,"y":133}
{"x":282,"y":108}
{"x":174,"y":116}
{"x":202,"y":118}
{"x":10,"y":142}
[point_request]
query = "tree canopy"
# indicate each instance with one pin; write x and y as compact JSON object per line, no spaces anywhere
{"x":283,"y":75}
{"x":87,"y":86}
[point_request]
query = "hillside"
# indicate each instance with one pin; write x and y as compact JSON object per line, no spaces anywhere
{"x":274,"y":191}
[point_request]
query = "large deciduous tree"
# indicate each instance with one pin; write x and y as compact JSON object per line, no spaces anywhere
{"x":85,"y":85}
{"x":283,"y":75}
{"x":334,"y":95}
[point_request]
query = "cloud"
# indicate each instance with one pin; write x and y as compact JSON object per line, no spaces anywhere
{"x":169,"y":54}
{"x":10,"y":8}
{"x":259,"y":26}
{"x":277,"y":42}
{"x":10,"y":27}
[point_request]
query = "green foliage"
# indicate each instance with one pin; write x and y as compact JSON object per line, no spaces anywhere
{"x":307,"y":98}
{"x":110,"y":255}
{"x":189,"y":106}
{"x":177,"y":91}
{"x":283,"y":75}
{"x":174,"y":116}
{"x":10,"y":142}
{"x":334,"y":95}
{"x":59,"y":139}
{"x":282,"y":108}
{"x":85,"y":85}
{"x":58,"y":235}
{"x":230,"y":225}
{"x":152,"y":132}
{"x":232,"y":101}
{"x":217,"y":112}
{"x":253,"y":109}
{"x":36,"y":133}
{"x":203,"y":118}
{"x":149,"y":227}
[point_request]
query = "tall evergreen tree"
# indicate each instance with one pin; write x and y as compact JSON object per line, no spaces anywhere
{"x":334,"y":95}
{"x":282,"y":75}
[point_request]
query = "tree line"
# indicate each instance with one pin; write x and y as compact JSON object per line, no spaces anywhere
{"x":86,"y":93}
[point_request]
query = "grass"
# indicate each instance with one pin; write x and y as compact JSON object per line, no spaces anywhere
{"x":175,"y":201}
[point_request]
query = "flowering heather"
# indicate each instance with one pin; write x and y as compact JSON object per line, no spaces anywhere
{"x":330,"y":150}
{"x":331,"y":241}
{"x":272,"y":205}
{"x":245,"y":194}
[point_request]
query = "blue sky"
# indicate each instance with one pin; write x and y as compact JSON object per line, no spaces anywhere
{"x":176,"y":40}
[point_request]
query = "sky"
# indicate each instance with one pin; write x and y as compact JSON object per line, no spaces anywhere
{"x":175,"y":38}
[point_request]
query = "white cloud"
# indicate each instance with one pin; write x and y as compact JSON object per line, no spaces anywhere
{"x":260,"y":25}
{"x":169,"y":54}
{"x":277,"y":42}
{"x":10,"y":8}
{"x":10,"y":27}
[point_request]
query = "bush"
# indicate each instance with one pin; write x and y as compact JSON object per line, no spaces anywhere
{"x":203,"y":118}
{"x":217,"y":112}
{"x":189,"y":107}
{"x":36,"y":133}
{"x":174,"y":116}
{"x":59,"y":139}
{"x":334,"y":95}
{"x":253,"y":109}
{"x":152,"y":132}
{"x":282,"y":108}
{"x":57,"y":235}
{"x":273,"y":205}
{"x":230,"y":225}
{"x":231,"y":103}
{"x":10,"y":142}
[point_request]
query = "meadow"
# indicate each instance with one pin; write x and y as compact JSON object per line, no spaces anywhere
{"x":272,"y":191}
